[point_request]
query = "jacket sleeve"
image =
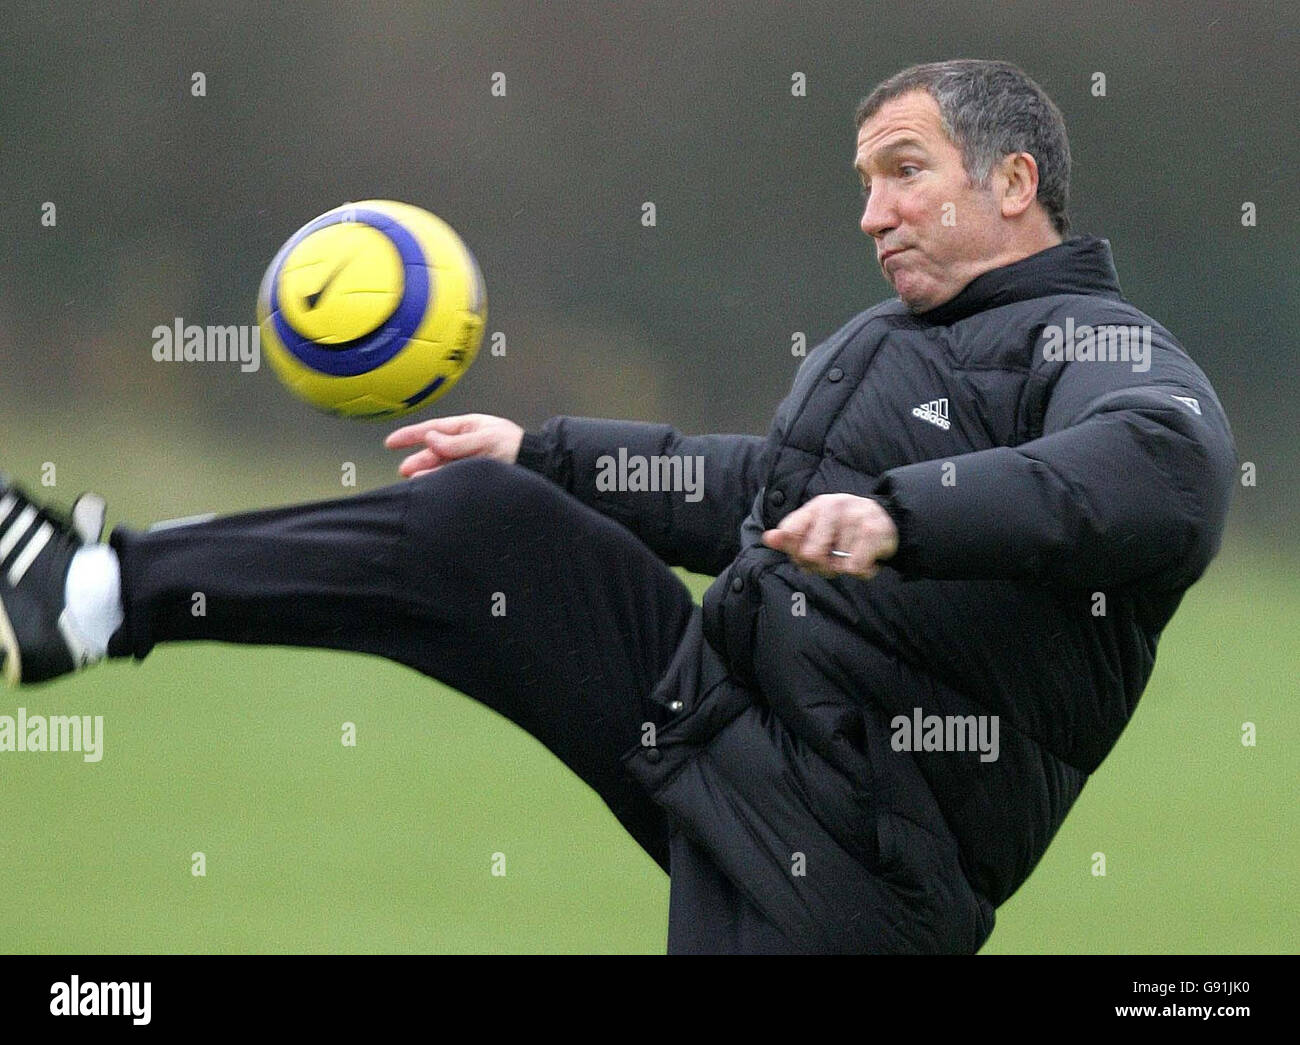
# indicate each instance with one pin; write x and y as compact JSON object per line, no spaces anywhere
{"x":1129,"y":483}
{"x":697,"y":527}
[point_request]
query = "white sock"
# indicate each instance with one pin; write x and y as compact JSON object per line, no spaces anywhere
{"x":93,"y":593}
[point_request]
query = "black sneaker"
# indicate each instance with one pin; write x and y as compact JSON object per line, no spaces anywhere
{"x":36,"y":549}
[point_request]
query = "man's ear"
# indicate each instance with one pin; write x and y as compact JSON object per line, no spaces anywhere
{"x":1017,"y":183}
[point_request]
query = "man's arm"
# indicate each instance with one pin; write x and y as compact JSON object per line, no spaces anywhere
{"x":1130,"y":482}
{"x":696,"y":524}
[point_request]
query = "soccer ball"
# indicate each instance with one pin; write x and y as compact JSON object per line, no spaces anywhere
{"x":372,"y":310}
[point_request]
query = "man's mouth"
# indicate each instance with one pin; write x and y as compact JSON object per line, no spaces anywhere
{"x":892,"y":252}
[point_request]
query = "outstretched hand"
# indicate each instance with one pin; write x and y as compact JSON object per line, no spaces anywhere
{"x":446,"y":439}
{"x":857,"y":528}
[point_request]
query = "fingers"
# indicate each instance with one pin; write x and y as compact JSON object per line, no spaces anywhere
{"x":411,"y":435}
{"x":856,"y":526}
{"x":418,"y":463}
{"x":414,"y":435}
{"x":789,"y":533}
{"x":441,"y":439}
{"x":453,"y":446}
{"x":442,"y":449}
{"x":822,"y":536}
{"x":808,"y":534}
{"x":863,"y":553}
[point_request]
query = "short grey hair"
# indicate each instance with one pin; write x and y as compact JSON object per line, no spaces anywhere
{"x":991,"y":110}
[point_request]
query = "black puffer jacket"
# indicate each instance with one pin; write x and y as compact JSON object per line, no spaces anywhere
{"x":1023,"y":485}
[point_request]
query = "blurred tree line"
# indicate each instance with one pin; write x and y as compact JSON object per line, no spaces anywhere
{"x":169,"y":202}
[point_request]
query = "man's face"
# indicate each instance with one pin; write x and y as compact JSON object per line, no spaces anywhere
{"x":910,"y":170}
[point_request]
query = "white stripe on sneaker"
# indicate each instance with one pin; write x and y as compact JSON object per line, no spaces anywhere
{"x":15,"y":533}
{"x":28,"y":555}
{"x":9,"y":643}
{"x":7,"y":503}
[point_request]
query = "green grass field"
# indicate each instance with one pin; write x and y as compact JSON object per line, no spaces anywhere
{"x":311,"y":846}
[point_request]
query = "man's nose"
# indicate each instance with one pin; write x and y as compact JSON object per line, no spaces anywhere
{"x":878,"y":215}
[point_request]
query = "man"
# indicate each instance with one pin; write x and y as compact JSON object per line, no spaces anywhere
{"x":978,"y":507}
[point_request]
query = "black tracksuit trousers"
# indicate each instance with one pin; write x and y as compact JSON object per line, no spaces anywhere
{"x":486,"y":577}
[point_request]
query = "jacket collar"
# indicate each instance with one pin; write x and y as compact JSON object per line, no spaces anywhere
{"x":1080,"y":265}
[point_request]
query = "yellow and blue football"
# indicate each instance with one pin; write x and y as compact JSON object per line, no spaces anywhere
{"x":374,"y":309}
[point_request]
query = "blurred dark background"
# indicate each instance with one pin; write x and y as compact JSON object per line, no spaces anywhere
{"x":171,"y":205}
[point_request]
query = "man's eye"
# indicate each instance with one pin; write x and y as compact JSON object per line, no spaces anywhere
{"x":866,"y":191}
{"x":909,"y":167}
